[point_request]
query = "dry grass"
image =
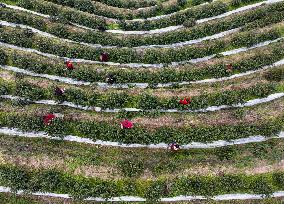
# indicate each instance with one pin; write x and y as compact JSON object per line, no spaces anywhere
{"x":110,"y":172}
{"x":45,"y":162}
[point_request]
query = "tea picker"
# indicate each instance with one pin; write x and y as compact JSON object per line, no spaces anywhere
{"x":126,"y":124}
{"x":104,"y":57}
{"x":47,"y":119}
{"x":111,"y":79}
{"x":69,"y":65}
{"x":229,"y":67}
{"x":59,"y":91}
{"x":50,"y":117}
{"x":185,"y":101}
{"x":174,"y":146}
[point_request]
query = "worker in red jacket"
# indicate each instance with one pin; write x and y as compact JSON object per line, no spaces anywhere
{"x":126,"y":124}
{"x":47,"y":119}
{"x":185,"y":101}
{"x":69,"y":65}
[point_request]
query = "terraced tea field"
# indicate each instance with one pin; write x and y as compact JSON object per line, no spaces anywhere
{"x":141,"y":101}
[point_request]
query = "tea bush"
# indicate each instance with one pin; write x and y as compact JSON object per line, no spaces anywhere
{"x":131,"y":167}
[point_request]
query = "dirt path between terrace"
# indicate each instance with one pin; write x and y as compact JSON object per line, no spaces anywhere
{"x":111,"y":172}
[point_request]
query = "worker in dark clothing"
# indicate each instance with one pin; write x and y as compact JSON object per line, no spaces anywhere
{"x":59,"y":91}
{"x":111,"y":79}
{"x":104,"y":57}
{"x":174,"y":146}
